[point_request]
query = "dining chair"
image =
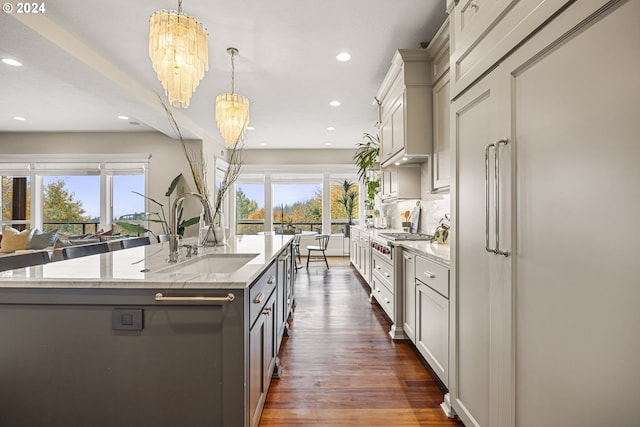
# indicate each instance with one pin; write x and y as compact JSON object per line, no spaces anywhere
{"x":84,"y":250}
{"x":296,"y":251}
{"x":11,"y":262}
{"x":323,"y":242}
{"x":134,"y":242}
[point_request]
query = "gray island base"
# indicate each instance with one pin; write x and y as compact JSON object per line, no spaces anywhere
{"x":117,"y":340}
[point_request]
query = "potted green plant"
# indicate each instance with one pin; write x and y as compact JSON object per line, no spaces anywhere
{"x":366,"y":159}
{"x":158,"y":217}
{"x":348,"y":201}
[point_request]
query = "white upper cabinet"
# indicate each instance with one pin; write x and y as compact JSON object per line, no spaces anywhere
{"x":484,"y":31}
{"x":405,"y":104}
{"x":441,"y":157}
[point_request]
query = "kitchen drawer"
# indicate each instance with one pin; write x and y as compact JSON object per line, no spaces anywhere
{"x":260,"y":292}
{"x":432,"y":274}
{"x":384,"y":272}
{"x":382,"y":294}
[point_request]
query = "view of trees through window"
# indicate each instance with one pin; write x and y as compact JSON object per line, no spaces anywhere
{"x":23,"y":204}
{"x":296,"y":204}
{"x":249,"y":208}
{"x":71,"y":211}
{"x":71,"y":204}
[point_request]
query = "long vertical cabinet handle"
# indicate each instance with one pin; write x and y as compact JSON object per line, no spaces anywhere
{"x":496,"y":166}
{"x":486,"y":196}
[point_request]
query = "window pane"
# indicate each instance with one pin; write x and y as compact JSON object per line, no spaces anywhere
{"x":128,"y":206}
{"x":16,"y":200}
{"x":344,"y":204}
{"x":71,"y":204}
{"x":298,"y":205}
{"x":249,"y":208}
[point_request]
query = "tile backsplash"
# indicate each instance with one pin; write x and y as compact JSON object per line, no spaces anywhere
{"x":433,"y":205}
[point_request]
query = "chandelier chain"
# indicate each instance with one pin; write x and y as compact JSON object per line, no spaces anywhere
{"x":179,"y":6}
{"x":233,"y":73}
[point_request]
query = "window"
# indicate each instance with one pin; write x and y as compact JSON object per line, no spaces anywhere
{"x":344,"y":203}
{"x":75,"y":194}
{"x":249,"y":208}
{"x":128,"y":204}
{"x":297,"y":204}
{"x":71,"y":204}
{"x":16,"y":201}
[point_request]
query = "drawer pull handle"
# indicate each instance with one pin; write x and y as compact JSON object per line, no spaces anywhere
{"x":270,"y":281}
{"x":377,"y":267}
{"x":386,"y":274}
{"x":230,"y":297}
{"x":474,"y":6}
{"x":259,"y":298}
{"x":266,"y":310}
{"x":430,"y":275}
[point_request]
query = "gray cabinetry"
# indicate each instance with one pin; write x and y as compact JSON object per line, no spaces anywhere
{"x":524,"y":313}
{"x":148,"y":355}
{"x":409,"y":281}
{"x":432,"y":312}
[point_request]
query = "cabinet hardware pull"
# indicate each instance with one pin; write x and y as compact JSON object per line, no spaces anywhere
{"x":386,"y":274}
{"x":270,"y":281}
{"x":259,"y":298}
{"x":474,"y":6}
{"x":230,"y":297}
{"x":503,"y":141}
{"x":486,"y":196}
{"x":266,"y":310}
{"x":430,"y":275}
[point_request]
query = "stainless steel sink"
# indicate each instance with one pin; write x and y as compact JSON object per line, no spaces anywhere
{"x":210,"y":263}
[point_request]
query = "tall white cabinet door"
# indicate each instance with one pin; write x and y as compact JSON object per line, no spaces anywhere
{"x":575,"y":111}
{"x":481,"y":371}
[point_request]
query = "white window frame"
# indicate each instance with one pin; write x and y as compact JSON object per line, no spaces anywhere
{"x":105,"y":165}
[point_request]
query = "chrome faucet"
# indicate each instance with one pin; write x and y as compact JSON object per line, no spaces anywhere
{"x":173,"y":222}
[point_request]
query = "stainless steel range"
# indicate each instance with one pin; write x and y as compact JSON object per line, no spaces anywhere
{"x":404,"y":236}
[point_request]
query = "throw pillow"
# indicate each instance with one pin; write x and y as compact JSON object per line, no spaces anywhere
{"x":40,"y":240}
{"x":14,"y":240}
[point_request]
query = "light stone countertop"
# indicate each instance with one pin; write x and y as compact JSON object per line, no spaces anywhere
{"x":143,"y":267}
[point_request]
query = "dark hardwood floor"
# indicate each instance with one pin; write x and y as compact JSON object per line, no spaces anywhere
{"x":341,"y":368}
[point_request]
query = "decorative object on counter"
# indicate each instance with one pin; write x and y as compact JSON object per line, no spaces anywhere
{"x":232,"y":110}
{"x":157,"y":217}
{"x":179,"y":51}
{"x":348,"y":200}
{"x":366,"y":159}
{"x":441,"y":235}
{"x":231,"y":175}
{"x":406,"y":224}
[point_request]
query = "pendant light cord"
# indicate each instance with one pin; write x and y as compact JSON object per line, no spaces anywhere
{"x":179,"y":6}
{"x":233,"y":73}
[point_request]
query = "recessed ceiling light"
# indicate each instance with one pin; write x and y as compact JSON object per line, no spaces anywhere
{"x":397,"y":163}
{"x":334,"y":103}
{"x":123,"y":117}
{"x":328,"y":144}
{"x":404,"y":159}
{"x":343,"y":57}
{"x":331,"y":128}
{"x":21,"y":119}
{"x":12,"y":62}
{"x":134,"y":123}
{"x":250,"y":128}
{"x":264,"y":144}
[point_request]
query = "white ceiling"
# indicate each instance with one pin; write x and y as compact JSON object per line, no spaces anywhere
{"x":86,"y":62}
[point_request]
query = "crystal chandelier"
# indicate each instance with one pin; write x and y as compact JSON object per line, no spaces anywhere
{"x":178,"y":47}
{"x":232,"y":110}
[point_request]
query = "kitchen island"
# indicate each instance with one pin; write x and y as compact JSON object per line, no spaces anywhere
{"x":125,"y":338}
